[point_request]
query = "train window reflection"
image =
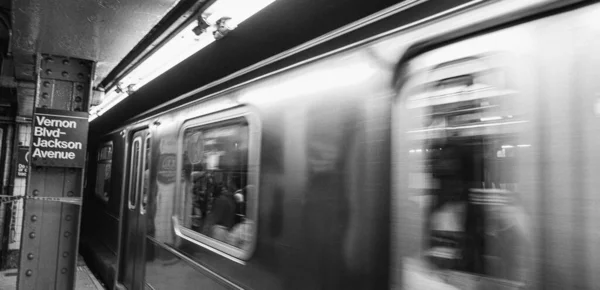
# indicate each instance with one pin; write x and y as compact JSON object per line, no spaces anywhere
{"x":103,"y":171}
{"x":215,"y":171}
{"x":462,"y":173}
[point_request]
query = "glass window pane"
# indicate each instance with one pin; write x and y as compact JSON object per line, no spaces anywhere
{"x":466,"y":219}
{"x":103,"y":171}
{"x":134,"y":174}
{"x":215,"y":169}
{"x":146,"y":176}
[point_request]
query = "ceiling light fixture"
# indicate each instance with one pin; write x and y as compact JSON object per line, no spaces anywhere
{"x":214,"y":23}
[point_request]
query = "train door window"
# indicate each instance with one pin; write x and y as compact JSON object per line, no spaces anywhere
{"x":103,"y":171}
{"x":218,"y":170}
{"x":134,"y":178}
{"x":464,"y":141}
{"x":145,"y":176}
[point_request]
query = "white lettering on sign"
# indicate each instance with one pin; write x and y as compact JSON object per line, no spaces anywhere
{"x":48,"y":138}
{"x":41,"y":120}
{"x":53,"y":154}
{"x":57,"y":144}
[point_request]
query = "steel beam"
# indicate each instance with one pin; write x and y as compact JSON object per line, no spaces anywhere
{"x":50,"y":232}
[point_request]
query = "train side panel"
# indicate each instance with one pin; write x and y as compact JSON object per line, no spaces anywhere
{"x":324,"y":219}
{"x":323,"y":179}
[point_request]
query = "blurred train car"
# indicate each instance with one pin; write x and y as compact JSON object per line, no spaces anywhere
{"x":458,"y":151}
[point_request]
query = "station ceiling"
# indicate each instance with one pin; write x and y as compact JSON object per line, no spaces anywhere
{"x":100,"y":30}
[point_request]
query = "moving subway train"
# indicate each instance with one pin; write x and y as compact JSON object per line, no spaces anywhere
{"x":458,"y":151}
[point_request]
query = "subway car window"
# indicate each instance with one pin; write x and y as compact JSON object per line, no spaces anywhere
{"x":103,"y":171}
{"x":464,"y":139}
{"x":134,"y":176}
{"x":215,"y":182}
{"x":145,"y":176}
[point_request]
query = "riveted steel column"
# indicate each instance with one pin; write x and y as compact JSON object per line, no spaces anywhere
{"x":50,"y":233}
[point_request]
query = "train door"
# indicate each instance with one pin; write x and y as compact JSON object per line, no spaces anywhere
{"x":465,"y":180}
{"x":134,"y":224}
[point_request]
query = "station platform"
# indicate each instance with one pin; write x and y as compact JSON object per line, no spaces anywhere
{"x":84,"y":280}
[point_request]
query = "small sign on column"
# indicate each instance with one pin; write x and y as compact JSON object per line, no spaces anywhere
{"x":23,"y":162}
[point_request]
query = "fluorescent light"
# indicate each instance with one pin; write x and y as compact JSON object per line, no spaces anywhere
{"x":507,"y":146}
{"x":179,"y":48}
{"x":108,"y":97}
{"x":485,"y":119}
{"x":108,"y":102}
{"x":183,"y":45}
{"x":237,"y":10}
{"x":524,"y":145}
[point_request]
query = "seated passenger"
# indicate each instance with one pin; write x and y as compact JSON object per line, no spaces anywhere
{"x":240,"y":205}
{"x":222,"y":216}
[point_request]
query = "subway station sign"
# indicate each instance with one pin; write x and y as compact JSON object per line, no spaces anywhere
{"x":23,"y":162}
{"x":59,"y":138}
